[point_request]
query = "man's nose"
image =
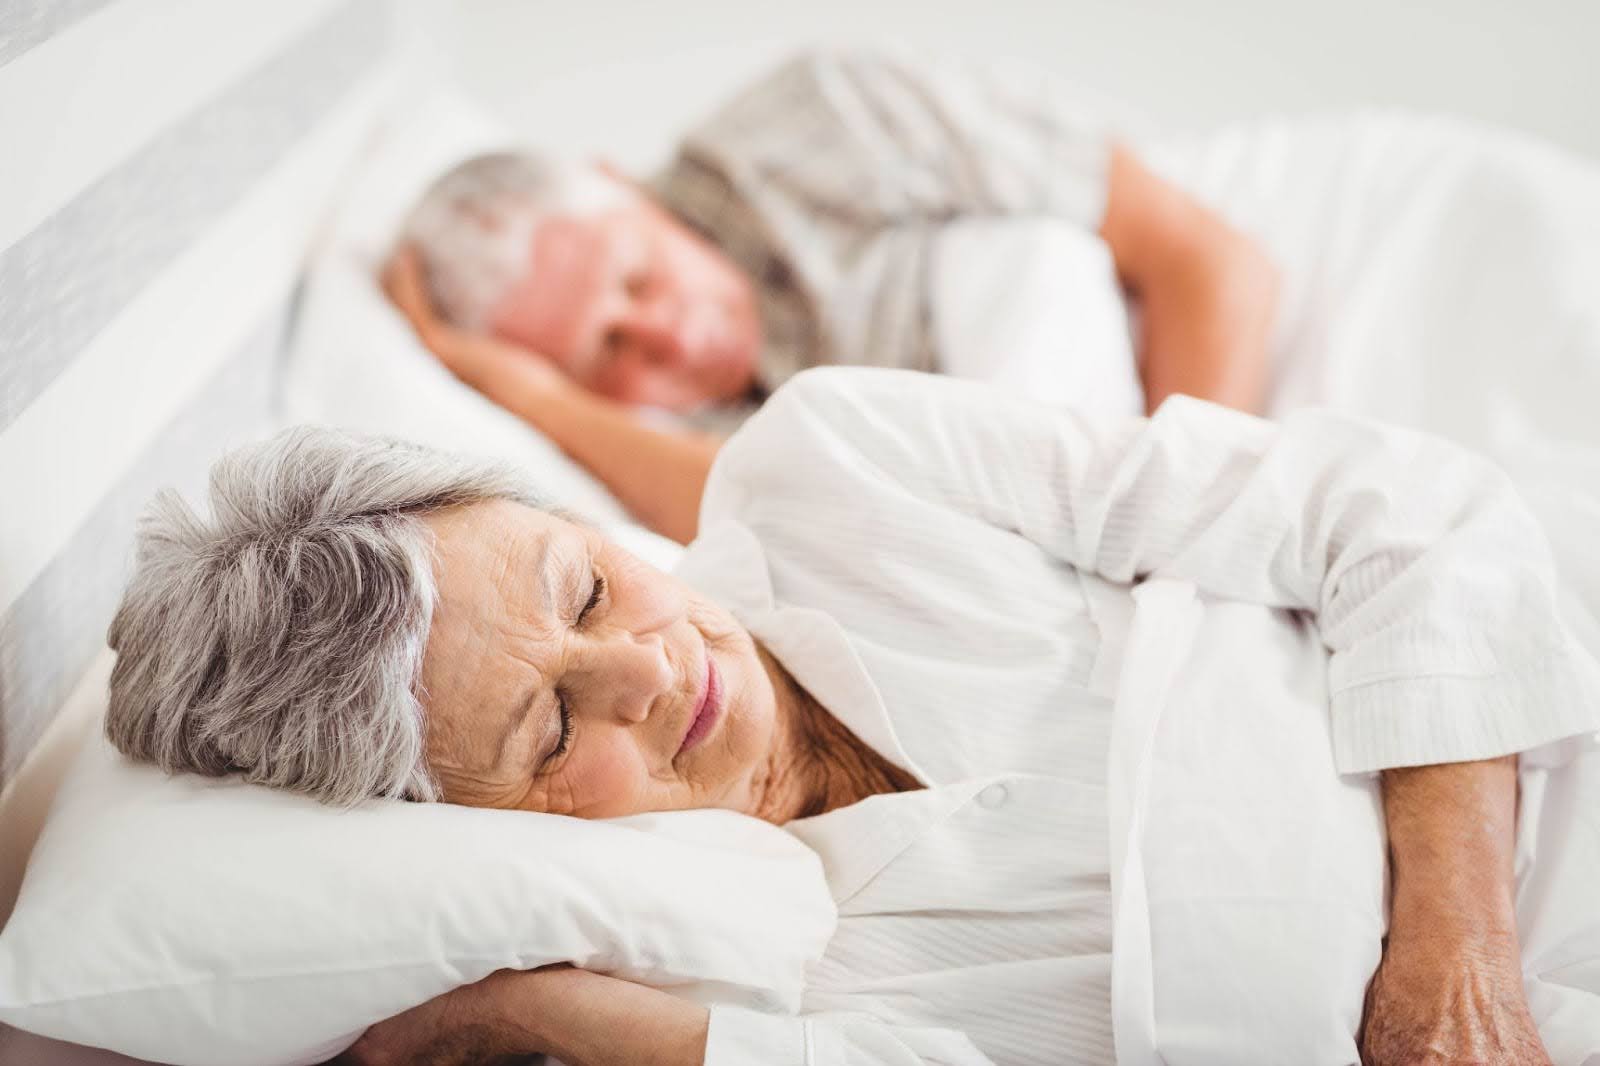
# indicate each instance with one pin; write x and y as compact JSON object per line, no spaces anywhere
{"x":625,"y":675}
{"x":661,"y":331}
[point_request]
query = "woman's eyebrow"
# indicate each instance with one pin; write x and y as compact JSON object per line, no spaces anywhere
{"x":541,"y":564}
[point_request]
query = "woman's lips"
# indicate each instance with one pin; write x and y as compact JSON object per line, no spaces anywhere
{"x":705,"y":714}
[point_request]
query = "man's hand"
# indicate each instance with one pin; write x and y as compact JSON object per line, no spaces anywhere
{"x":483,"y":361}
{"x":1438,"y":1003}
{"x":658,"y":474}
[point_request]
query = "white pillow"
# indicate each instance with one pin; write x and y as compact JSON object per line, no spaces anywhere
{"x":190,"y":920}
{"x":1033,"y":305}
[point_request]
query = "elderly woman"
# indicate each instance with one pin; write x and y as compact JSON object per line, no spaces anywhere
{"x":890,"y":637}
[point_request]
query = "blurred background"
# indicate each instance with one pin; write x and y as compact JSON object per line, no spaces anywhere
{"x":619,"y":78}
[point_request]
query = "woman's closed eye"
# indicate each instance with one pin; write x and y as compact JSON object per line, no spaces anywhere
{"x":597,"y":592}
{"x":566,"y":731}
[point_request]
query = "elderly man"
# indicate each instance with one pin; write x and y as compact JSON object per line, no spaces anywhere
{"x":797,"y":227}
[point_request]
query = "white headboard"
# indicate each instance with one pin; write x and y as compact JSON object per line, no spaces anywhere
{"x":166,"y":164}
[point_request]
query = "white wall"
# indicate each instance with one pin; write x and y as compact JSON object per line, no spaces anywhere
{"x":618,"y":78}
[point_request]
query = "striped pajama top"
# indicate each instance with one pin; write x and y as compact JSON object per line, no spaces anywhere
{"x":925,"y":556}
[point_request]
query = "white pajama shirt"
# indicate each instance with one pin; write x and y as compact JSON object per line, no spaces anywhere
{"x":941,"y":566}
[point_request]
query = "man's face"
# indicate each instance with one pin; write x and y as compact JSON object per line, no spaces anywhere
{"x":635,"y":306}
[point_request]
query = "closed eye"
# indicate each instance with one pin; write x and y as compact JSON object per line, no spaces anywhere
{"x":566,"y":732}
{"x":597,"y":592}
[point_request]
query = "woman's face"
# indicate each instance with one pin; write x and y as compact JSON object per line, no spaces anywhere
{"x":563,"y":675}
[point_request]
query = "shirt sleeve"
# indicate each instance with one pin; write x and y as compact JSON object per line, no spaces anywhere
{"x":870,"y":138}
{"x":1432,"y":584}
{"x":738,"y":1036}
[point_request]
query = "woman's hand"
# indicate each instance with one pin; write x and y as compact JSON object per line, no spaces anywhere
{"x":483,"y":361}
{"x":582,"y":1018}
{"x":1437,"y":1003}
{"x":470,"y":1026}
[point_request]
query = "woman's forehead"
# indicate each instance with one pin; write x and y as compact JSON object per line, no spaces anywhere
{"x":486,"y":552}
{"x":501,"y":575}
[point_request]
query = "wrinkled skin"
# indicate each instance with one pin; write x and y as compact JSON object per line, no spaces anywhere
{"x":1435,"y":1002}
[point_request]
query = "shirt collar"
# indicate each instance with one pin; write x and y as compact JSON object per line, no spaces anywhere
{"x":856,"y":842}
{"x":727,"y":563}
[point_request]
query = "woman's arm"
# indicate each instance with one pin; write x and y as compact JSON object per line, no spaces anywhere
{"x":1451,"y":975}
{"x":1206,"y":292}
{"x":582,"y":1018}
{"x":658,"y":474}
{"x":589,"y":1019}
{"x":1432,"y":585}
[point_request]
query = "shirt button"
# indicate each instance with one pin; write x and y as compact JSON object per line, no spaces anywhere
{"x":993,"y":796}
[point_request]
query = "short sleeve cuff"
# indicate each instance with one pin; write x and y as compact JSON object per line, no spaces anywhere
{"x":738,"y":1036}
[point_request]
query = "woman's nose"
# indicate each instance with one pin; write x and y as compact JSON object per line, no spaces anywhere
{"x":625,"y":675}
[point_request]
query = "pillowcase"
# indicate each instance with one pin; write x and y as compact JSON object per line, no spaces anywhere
{"x":209,"y":922}
{"x":1033,"y":305}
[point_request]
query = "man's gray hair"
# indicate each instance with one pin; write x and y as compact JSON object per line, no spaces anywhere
{"x":474,"y":226}
{"x":281,"y":638}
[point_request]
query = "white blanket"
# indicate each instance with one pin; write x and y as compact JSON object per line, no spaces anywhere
{"x":1448,"y":278}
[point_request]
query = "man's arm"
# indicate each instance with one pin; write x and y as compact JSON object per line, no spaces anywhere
{"x":1206,"y":292}
{"x":658,"y":474}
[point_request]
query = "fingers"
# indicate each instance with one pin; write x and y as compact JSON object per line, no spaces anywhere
{"x":403,"y":282}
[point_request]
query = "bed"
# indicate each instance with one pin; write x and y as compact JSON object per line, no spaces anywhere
{"x":154,"y":309}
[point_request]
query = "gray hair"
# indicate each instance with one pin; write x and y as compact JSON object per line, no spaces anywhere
{"x":474,"y":225}
{"x":282,"y":637}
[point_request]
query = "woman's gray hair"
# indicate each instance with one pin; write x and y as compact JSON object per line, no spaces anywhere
{"x":474,"y":225}
{"x":282,"y":637}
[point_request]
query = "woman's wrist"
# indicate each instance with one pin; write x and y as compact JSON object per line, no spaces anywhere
{"x":590,"y":1019}
{"x":1452,"y":831}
